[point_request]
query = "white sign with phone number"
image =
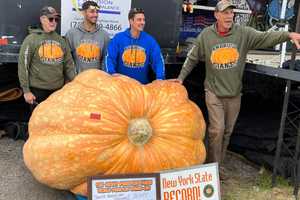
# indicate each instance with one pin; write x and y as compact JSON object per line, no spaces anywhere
{"x":113,"y":15}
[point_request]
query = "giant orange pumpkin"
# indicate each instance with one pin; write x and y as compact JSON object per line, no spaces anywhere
{"x":102,"y":124}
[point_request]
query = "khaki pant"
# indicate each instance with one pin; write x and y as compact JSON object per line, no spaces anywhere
{"x":222,"y":114}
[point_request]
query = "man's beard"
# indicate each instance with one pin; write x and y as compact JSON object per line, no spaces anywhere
{"x":91,"y":22}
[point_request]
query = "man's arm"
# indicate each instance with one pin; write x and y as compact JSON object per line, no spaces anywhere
{"x":69,"y":66}
{"x":104,"y":50}
{"x":69,"y":39}
{"x":260,"y":40}
{"x":194,"y":55}
{"x":111,"y":57}
{"x":190,"y":62}
{"x":157,"y":62}
{"x":25,"y":57}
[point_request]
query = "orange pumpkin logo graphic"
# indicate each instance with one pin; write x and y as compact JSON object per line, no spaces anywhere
{"x":50,"y":52}
{"x":134,"y":56}
{"x":88,"y":52}
{"x":224,"y":55}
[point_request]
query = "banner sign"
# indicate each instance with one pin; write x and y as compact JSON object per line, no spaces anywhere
{"x":125,"y":187}
{"x":196,"y":183}
{"x":113,"y":15}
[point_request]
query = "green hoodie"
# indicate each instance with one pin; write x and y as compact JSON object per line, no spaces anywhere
{"x":225,"y":56}
{"x":45,"y":61}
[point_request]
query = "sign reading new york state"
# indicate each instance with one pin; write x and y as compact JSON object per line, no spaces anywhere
{"x":196,"y":183}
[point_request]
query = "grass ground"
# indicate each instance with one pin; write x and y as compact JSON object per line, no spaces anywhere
{"x":249,"y":182}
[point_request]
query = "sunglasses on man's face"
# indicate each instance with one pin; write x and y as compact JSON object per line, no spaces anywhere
{"x":53,"y":19}
{"x":94,"y":7}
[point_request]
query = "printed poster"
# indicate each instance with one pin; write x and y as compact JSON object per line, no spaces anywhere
{"x":125,"y":187}
{"x":113,"y":15}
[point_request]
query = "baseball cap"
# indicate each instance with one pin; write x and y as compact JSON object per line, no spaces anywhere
{"x":90,"y":4}
{"x":49,"y":12}
{"x":223,"y":5}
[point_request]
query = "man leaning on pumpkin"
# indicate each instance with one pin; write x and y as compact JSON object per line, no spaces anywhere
{"x":224,"y":46}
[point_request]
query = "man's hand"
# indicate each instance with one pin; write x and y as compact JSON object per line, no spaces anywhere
{"x":295,"y":37}
{"x":29,"y":97}
{"x":176,"y":80}
{"x":116,"y":74}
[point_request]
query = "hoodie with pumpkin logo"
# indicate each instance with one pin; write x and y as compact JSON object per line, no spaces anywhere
{"x":225,"y":56}
{"x":133,"y":57}
{"x":88,"y":48}
{"x":45,"y":61}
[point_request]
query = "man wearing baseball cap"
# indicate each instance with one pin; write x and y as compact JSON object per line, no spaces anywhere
{"x":224,"y":46}
{"x":45,"y":61}
{"x":88,"y":41}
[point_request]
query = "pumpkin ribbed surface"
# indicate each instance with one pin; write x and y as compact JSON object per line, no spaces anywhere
{"x":101,"y":124}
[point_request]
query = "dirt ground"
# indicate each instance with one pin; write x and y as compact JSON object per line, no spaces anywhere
{"x":16,"y":182}
{"x":246,"y":181}
{"x":251,"y":182}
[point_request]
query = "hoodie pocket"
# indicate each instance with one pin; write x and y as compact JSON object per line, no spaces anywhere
{"x":51,"y":74}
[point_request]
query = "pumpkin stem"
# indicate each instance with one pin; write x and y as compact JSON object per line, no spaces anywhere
{"x":139,"y":131}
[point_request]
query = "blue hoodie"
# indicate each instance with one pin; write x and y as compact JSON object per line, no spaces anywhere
{"x":133,"y":56}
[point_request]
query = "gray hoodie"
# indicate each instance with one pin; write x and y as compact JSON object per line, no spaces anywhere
{"x":88,"y":48}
